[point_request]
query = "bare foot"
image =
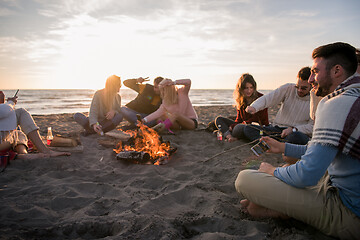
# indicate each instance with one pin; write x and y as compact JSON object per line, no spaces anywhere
{"x":244,"y":204}
{"x":260,"y":211}
{"x":231,"y":139}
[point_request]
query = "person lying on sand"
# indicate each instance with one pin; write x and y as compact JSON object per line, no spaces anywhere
{"x":11,"y":138}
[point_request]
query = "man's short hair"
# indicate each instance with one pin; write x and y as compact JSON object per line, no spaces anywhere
{"x":158,"y":80}
{"x":338,"y":53}
{"x":357,"y":52}
{"x":304,"y":73}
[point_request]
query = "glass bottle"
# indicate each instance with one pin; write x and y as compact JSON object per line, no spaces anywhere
{"x":101,"y":131}
{"x":219,"y":134}
{"x":49,"y":136}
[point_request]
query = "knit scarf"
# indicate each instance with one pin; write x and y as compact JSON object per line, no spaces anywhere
{"x":337,"y":118}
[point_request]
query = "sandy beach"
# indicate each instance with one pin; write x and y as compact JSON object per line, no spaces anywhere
{"x":92,"y":195}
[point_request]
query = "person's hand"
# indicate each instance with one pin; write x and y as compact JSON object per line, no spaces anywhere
{"x":230,"y":138}
{"x":110,"y":115}
{"x":250,"y":109}
{"x":13,"y":99}
{"x":286,"y":132}
{"x":167,"y":82}
{"x":267,"y":168}
{"x":97,"y":128}
{"x":275,"y":146}
{"x":141,"y":80}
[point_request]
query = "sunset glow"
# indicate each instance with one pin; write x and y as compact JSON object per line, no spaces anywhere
{"x":78,"y":44}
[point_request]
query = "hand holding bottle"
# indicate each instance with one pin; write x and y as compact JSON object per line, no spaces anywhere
{"x":98,"y":128}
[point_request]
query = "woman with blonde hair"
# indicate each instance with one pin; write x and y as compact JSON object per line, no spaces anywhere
{"x":105,"y":110}
{"x":244,"y":94}
{"x":176,"y":111}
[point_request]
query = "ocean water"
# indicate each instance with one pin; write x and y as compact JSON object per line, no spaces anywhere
{"x":55,"y":101}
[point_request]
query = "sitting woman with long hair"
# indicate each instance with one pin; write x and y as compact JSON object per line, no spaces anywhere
{"x":105,"y":110}
{"x":244,"y":94}
{"x":176,"y":111}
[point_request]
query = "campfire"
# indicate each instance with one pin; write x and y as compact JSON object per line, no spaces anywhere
{"x":145,"y":146}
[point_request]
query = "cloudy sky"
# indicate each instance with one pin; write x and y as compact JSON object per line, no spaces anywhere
{"x":79,"y":43}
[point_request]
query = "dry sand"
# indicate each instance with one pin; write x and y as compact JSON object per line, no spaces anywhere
{"x":91,"y":195}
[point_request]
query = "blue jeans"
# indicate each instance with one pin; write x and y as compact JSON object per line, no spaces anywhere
{"x":223,"y":125}
{"x":252,"y":132}
{"x":107,"y":125}
{"x":130,"y":116}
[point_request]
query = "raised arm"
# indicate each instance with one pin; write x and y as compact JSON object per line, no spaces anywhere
{"x":185,"y":82}
{"x":271,"y":99}
{"x":155,"y":115}
{"x":135,"y":83}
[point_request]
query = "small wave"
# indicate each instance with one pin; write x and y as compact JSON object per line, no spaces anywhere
{"x":43,"y":102}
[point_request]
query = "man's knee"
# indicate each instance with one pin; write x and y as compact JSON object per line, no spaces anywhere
{"x":81,"y":119}
{"x":243,"y":180}
{"x":251,"y":132}
{"x":218,"y":120}
{"x":25,"y":120}
{"x":21,"y":112}
{"x":129,"y":114}
{"x":117,"y":118}
{"x":238,"y":131}
{"x":297,"y":138}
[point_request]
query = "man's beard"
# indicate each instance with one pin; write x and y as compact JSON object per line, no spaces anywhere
{"x":325,"y":89}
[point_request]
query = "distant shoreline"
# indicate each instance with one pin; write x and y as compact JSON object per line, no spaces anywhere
{"x":56,"y":101}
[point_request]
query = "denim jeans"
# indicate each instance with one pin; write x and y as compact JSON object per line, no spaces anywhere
{"x":130,"y":116}
{"x":107,"y":125}
{"x":252,"y":132}
{"x":223,"y":125}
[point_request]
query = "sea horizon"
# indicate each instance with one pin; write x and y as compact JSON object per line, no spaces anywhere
{"x":58,"y":101}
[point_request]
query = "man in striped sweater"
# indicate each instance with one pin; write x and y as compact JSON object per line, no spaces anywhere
{"x":292,"y":122}
{"x":329,"y":202}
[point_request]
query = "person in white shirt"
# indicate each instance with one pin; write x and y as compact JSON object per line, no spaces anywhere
{"x":292,"y":122}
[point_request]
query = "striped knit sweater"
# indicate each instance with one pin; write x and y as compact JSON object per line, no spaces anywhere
{"x":294,"y":110}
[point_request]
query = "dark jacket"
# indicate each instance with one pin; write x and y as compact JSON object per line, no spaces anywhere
{"x":147,"y":101}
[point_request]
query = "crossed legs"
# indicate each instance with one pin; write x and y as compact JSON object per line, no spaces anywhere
{"x":319,"y":206}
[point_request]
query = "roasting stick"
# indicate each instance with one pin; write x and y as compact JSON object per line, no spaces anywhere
{"x":234,"y":148}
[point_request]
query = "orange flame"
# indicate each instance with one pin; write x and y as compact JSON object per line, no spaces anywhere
{"x":146,"y":140}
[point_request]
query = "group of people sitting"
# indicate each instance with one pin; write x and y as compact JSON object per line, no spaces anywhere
{"x":162,"y":106}
{"x":292,"y":123}
{"x":317,"y":126}
{"x":322,"y":189}
{"x":165,"y":105}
